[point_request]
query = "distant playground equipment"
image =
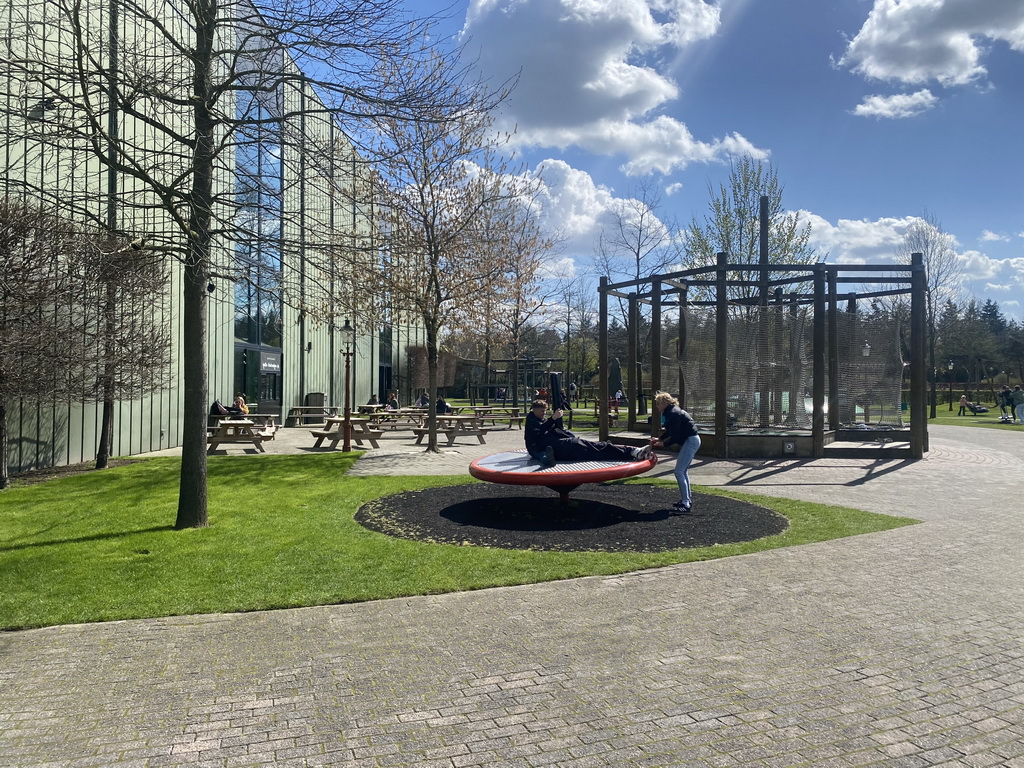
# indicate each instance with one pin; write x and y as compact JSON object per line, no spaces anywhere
{"x":767,"y":360}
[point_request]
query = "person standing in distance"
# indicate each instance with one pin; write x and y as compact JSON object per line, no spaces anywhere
{"x":679,"y":430}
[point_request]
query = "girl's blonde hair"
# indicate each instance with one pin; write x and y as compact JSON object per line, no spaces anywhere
{"x":664,"y":400}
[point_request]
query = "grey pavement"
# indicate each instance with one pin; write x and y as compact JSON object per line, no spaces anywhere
{"x":903,"y":648}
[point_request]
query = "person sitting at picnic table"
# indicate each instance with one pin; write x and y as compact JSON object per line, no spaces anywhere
{"x":441,"y":406}
{"x":373,"y":400}
{"x":392,"y":403}
{"x":424,"y":401}
{"x":238,"y":407}
{"x":548,"y":444}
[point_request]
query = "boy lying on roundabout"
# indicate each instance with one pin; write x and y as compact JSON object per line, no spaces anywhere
{"x":548,"y":442}
{"x":583,"y":461}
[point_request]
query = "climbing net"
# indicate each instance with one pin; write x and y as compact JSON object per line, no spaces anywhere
{"x":769,"y":368}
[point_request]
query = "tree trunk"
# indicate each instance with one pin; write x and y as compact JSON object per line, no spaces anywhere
{"x":432,"y":391}
{"x":192,"y":499}
{"x":106,"y":432}
{"x":192,"y":510}
{"x":5,"y":479}
{"x":107,"y":420}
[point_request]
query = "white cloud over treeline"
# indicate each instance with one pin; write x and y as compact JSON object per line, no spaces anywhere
{"x":592,"y":75}
{"x":912,"y":42}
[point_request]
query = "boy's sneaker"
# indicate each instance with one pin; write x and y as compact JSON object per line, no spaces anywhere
{"x":549,"y":456}
{"x":680,"y":508}
{"x":639,"y":453}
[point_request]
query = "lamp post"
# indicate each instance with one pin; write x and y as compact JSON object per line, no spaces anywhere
{"x":348,"y":336}
{"x":951,"y":385}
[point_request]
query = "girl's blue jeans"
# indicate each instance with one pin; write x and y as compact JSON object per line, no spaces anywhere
{"x":686,"y":453}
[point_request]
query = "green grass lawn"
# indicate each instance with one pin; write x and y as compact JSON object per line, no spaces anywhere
{"x":100,"y":546}
{"x":988,"y":420}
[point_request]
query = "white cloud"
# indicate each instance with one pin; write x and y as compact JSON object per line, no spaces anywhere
{"x":591,"y":75}
{"x":671,"y":189}
{"x":980,"y":266}
{"x":898,"y":106}
{"x":990,"y":236}
{"x":917,"y":41}
{"x":857,"y":241}
{"x":864,"y":241}
{"x":558,"y":269}
{"x":572,"y":204}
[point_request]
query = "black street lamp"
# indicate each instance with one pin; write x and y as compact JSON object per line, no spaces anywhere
{"x":951,"y":385}
{"x":348,"y":336}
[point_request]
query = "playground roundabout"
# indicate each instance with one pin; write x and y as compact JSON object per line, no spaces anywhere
{"x":611,"y":516}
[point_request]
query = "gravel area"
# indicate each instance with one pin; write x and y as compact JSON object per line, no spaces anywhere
{"x":610,"y":517}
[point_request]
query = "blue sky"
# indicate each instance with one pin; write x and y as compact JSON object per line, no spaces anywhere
{"x":872,"y":111}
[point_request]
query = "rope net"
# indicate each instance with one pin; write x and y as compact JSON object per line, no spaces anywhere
{"x":870,"y":371}
{"x":769,"y":367}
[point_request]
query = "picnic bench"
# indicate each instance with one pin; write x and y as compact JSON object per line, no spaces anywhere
{"x":453,"y":427}
{"x":395,"y":419}
{"x":234,"y":431}
{"x":512,"y":417}
{"x":266,"y":424}
{"x":309,"y":414}
{"x":362,"y":429}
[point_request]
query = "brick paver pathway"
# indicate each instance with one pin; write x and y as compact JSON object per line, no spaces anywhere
{"x":903,"y":648}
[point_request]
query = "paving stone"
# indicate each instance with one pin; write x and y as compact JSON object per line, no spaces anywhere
{"x":900,"y":649}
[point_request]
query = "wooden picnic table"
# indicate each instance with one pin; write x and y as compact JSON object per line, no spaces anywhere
{"x":496,"y":413}
{"x":334,"y":431}
{"x":266,"y":424}
{"x":307,"y":414}
{"x":403,"y":417}
{"x":453,"y":427}
{"x":234,"y":431}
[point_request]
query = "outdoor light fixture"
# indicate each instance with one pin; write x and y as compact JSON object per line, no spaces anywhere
{"x":210,"y":287}
{"x":348,"y":335}
{"x":865,"y":351}
{"x":951,"y":385}
{"x":38,"y":110}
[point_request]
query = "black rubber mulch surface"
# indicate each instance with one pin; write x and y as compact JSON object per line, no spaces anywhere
{"x":611,"y":517}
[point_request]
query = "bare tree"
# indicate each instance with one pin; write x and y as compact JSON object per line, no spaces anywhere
{"x":168,"y":102}
{"x":733,"y":224}
{"x":639,"y":241}
{"x":576,"y":314}
{"x":128,"y":354}
{"x":41,"y":348}
{"x":438,"y":182}
{"x":943,"y":273}
{"x":519,"y":243}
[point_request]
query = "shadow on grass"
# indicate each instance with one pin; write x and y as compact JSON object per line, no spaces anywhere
{"x":84,"y":539}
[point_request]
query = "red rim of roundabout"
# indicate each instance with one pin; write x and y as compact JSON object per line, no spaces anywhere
{"x":558,"y":478}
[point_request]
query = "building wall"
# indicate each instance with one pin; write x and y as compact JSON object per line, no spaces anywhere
{"x":320,"y":206}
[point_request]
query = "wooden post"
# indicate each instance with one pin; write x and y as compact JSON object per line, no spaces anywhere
{"x":721,"y":355}
{"x":779,"y":376}
{"x":681,"y":349}
{"x":602,"y":359}
{"x":655,"y":352}
{"x":918,"y":383}
{"x":632,"y":340}
{"x":818,"y":357}
{"x":765,"y":373}
{"x":833,"y":352}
